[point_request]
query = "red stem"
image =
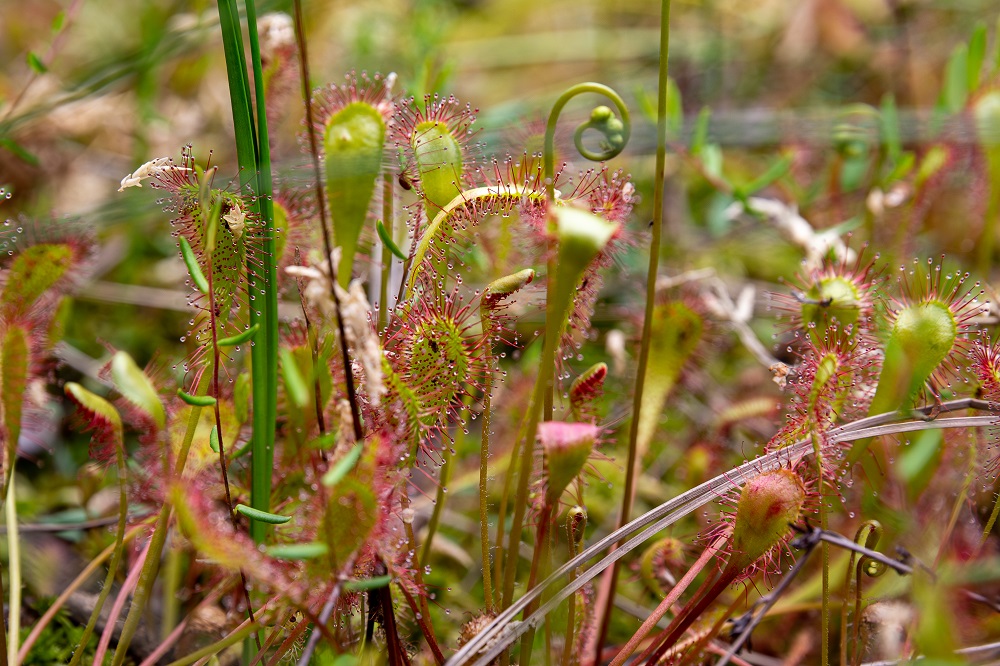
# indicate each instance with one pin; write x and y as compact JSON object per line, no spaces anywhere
{"x":706,"y":594}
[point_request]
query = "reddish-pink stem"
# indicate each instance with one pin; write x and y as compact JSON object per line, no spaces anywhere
{"x":116,"y":610}
{"x":667,"y":602}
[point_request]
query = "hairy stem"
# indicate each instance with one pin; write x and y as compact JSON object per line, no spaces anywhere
{"x":241,"y":632}
{"x":539,"y":557}
{"x":388,"y":220}
{"x":116,"y":608}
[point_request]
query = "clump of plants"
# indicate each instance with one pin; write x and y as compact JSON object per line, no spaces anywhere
{"x":395,"y":439}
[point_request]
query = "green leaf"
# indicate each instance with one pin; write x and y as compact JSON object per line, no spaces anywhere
{"x":262,"y":516}
{"x":340,"y":469}
{"x":213,"y":439}
{"x":889,"y":126}
{"x":977,"y":54}
{"x":907,"y":160}
{"x":196,"y":400}
{"x":137,"y":388}
{"x":297,"y":551}
{"x":239,"y":338}
{"x":699,"y":138}
{"x":386,"y":239}
{"x":194,"y":270}
{"x":956,"y":80}
{"x":19,"y":151}
{"x":675,"y":331}
{"x":295,"y":383}
{"x":711,"y":160}
{"x":777,"y":170}
{"x":36,"y":64}
{"x":367,"y":584}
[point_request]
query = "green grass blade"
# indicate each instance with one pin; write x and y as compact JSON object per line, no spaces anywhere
{"x":264,"y":354}
{"x":255,"y":166}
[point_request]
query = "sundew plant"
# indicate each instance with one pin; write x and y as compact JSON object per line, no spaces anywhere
{"x":603,"y":377}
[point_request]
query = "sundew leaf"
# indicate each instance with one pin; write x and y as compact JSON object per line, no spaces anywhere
{"x":353,"y":143}
{"x":60,"y":317}
{"x":214,"y":538}
{"x":103,"y":419}
{"x":494,"y":199}
{"x":351,"y":513}
{"x":14,"y":361}
{"x":137,"y":388}
{"x":295,"y":384}
{"x":438,"y":155}
{"x":675,"y":332}
{"x":33,"y":272}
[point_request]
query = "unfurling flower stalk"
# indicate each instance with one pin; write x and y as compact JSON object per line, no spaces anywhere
{"x":581,"y":236}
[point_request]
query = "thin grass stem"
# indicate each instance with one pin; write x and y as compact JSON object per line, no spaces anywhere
{"x":64,"y":596}
{"x":13,"y":571}
{"x":605,"y":605}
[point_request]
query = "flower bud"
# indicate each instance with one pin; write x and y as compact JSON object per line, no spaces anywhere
{"x":566,"y":446}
